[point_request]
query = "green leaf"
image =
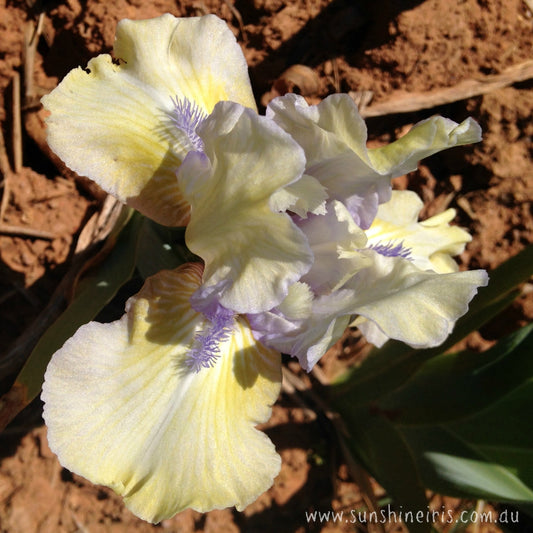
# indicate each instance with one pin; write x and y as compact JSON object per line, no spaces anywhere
{"x":161,"y":248}
{"x":389,"y":367}
{"x":381,"y":448}
{"x":504,"y":432}
{"x":451,"y":464}
{"x":488,"y":455}
{"x":455,"y":386}
{"x":94,"y":292}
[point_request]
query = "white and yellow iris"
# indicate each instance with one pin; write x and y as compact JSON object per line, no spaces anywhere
{"x":297,"y":229}
{"x":171,"y":129}
{"x":372,"y":258}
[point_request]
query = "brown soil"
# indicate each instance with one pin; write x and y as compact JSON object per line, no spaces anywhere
{"x":388,"y":47}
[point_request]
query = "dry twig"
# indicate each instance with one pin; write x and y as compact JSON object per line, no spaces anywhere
{"x":31,"y":38}
{"x":21,"y":231}
{"x":236,"y":13}
{"x":407,"y":103}
{"x":17,"y":123}
{"x":5,"y":168}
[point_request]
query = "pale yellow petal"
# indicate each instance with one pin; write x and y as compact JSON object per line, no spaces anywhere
{"x":197,"y":58}
{"x":105,"y":126}
{"x":252,"y":254}
{"x":417,"y":307}
{"x":123,"y":409}
{"x":112,"y":122}
{"x":302,"y":197}
{"x":334,"y":136}
{"x":336,"y":242}
{"x":424,"y":139}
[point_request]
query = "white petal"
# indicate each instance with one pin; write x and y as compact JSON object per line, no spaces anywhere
{"x":252,"y":254}
{"x":334,"y":136}
{"x":196,"y":58}
{"x":298,"y":303}
{"x":307,"y":336}
{"x":312,"y":339}
{"x":334,"y":240}
{"x":417,"y":307}
{"x":304,"y":196}
{"x":424,"y":139}
{"x":113,"y":122}
{"x":124,"y":411}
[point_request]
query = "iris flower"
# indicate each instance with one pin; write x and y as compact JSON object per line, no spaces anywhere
{"x":297,"y":229}
{"x":162,"y":405}
{"x":372,"y":259}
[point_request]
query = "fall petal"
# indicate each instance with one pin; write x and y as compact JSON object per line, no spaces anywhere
{"x":417,"y":307}
{"x":113,"y":122}
{"x":124,"y":410}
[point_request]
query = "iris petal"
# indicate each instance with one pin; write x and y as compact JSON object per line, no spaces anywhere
{"x":417,"y":307}
{"x":252,"y":253}
{"x":113,"y":121}
{"x":333,"y":136}
{"x":336,"y":242}
{"x":123,"y":410}
{"x":431,"y":243}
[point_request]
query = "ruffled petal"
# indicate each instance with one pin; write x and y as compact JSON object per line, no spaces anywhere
{"x":303,"y":325}
{"x":113,"y":122}
{"x":302,"y":197}
{"x":371,"y":331}
{"x":252,"y":254}
{"x":307,"y":340}
{"x":430,"y":243}
{"x":334,"y":137}
{"x":331,"y":128}
{"x":392,"y":299}
{"x":316,"y":338}
{"x":417,"y":307}
{"x":424,"y":139}
{"x":335,"y":241}
{"x":123,"y":409}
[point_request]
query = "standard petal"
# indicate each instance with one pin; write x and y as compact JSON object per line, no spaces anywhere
{"x":307,"y":340}
{"x":123,"y":409}
{"x":302,"y":197}
{"x":252,"y":254}
{"x":113,"y":122}
{"x":424,"y":139}
{"x":334,"y":137}
{"x":430,"y":243}
{"x":335,"y":241}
